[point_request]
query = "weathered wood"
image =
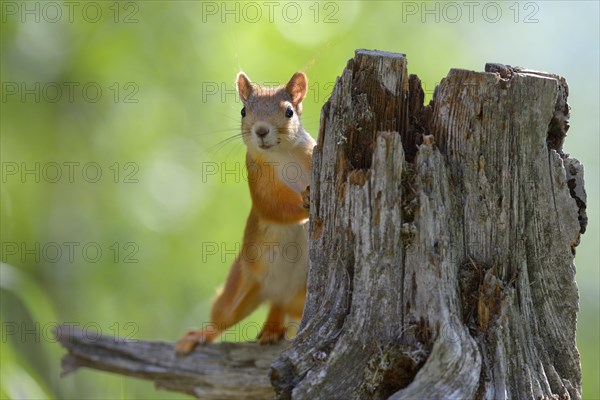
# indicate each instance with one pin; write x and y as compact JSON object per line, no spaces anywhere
{"x":457,"y":254}
{"x":216,"y":371}
{"x":441,"y":251}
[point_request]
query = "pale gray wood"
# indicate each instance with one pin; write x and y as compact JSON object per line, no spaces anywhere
{"x":442,"y":242}
{"x":214,"y":371}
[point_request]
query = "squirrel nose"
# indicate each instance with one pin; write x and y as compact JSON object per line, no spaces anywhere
{"x":261,"y":131}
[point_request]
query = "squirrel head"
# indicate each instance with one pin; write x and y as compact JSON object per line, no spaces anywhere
{"x":271,"y":116}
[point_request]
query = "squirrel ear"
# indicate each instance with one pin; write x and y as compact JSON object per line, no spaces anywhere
{"x":244,"y":86}
{"x":296,"y":87}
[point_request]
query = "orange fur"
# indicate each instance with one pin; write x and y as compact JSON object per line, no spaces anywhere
{"x":273,"y":199}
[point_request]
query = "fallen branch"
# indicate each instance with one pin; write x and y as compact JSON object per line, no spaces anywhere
{"x":214,"y":371}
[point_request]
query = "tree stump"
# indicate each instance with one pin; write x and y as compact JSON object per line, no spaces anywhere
{"x":442,"y":242}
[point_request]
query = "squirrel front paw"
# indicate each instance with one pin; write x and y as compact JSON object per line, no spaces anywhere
{"x":306,"y":197}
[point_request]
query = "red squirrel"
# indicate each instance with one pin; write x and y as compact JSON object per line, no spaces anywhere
{"x":273,"y":261}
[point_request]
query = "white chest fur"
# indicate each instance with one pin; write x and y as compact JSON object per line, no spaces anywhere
{"x":286,"y":257}
{"x":291,"y":170}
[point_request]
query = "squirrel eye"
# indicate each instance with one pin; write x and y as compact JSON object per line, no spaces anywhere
{"x":289,"y":112}
{"x":243,"y":112}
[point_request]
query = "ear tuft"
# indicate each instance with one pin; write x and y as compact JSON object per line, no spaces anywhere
{"x":296,"y":88}
{"x":244,"y":86}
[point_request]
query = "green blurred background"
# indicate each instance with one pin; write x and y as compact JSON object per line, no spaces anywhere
{"x":132,"y":104}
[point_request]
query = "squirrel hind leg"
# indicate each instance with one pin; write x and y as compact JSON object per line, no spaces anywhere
{"x":295,"y":308}
{"x":236,"y":301}
{"x":274,"y":328}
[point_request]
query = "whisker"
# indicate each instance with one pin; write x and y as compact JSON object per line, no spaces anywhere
{"x":232,"y":149}
{"x":222,"y":143}
{"x":229,"y":116}
{"x":224,"y":130}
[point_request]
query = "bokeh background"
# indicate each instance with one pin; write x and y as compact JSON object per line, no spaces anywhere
{"x":122,"y":199}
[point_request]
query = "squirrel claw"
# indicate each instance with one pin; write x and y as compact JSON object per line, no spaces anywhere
{"x":271,"y":335}
{"x":185,"y":346}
